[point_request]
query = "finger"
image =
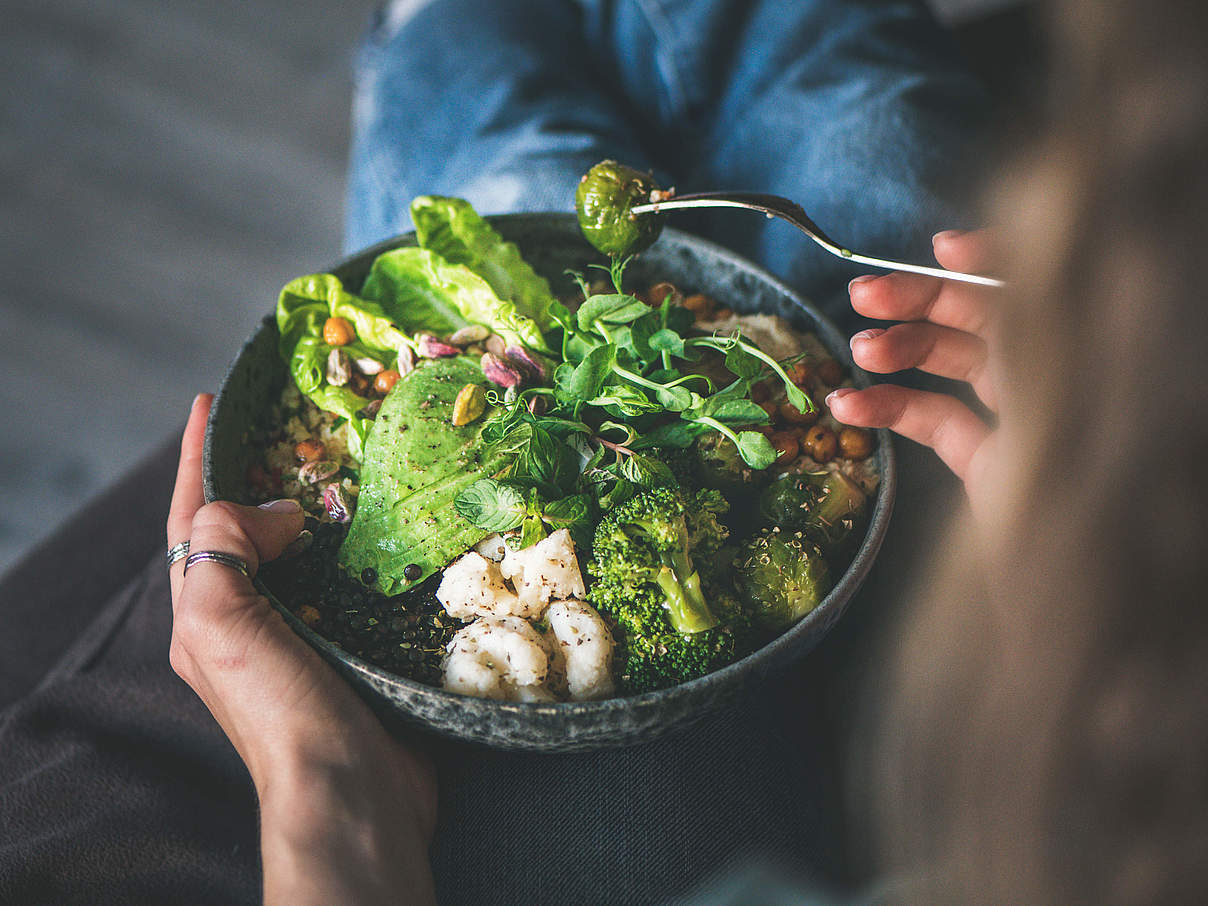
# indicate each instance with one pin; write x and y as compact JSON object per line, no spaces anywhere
{"x":912,"y":297}
{"x":253,"y":534}
{"x":935,"y":420}
{"x":972,"y":252}
{"x":187,"y":497}
{"x":936,"y":350}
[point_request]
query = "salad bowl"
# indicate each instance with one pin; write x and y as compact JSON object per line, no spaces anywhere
{"x":552,"y":244}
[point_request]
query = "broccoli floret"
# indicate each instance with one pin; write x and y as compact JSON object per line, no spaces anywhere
{"x":656,"y":662}
{"x":702,"y":515}
{"x":781,"y":577}
{"x":675,"y":622}
{"x":642,"y":551}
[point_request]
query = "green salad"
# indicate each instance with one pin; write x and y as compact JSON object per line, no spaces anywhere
{"x":553,"y":498}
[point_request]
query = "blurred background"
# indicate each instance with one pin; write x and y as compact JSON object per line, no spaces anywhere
{"x":164,"y":169}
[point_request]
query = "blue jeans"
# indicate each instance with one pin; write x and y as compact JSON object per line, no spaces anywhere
{"x":856,"y":109}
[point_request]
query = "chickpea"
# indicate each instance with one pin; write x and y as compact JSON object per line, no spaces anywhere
{"x":794,"y":416}
{"x":385,"y":381}
{"x":310,"y":451}
{"x":820,"y":443}
{"x":760,"y":392}
{"x":338,"y":332}
{"x":799,"y":372}
{"x":721,"y":313}
{"x":855,"y":443}
{"x":309,"y":615}
{"x":786,"y":446}
{"x":770,"y":407}
{"x":701,"y":306}
{"x":830,"y":372}
{"x":660,"y":291}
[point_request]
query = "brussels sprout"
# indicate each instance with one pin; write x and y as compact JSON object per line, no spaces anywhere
{"x":605,"y":194}
{"x":825,"y":505}
{"x":781,"y":577}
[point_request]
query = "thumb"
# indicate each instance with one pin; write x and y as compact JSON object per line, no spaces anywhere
{"x":254,"y":534}
{"x":273,"y":526}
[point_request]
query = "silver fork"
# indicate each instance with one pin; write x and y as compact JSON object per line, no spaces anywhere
{"x":775,"y":206}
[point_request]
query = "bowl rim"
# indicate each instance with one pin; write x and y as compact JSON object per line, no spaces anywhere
{"x":793,"y":642}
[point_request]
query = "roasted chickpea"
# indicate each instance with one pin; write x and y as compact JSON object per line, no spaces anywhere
{"x":855,"y":443}
{"x":794,"y":416}
{"x":830,"y":372}
{"x":700,"y":305}
{"x":721,"y":312}
{"x":309,"y":615}
{"x":786,"y":446}
{"x":799,"y":372}
{"x":760,"y":392}
{"x":770,"y":407}
{"x":820,"y":443}
{"x":310,"y":451}
{"x":660,"y":291}
{"x":385,"y":381}
{"x":338,"y":332}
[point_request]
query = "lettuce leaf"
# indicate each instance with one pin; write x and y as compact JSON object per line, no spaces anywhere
{"x":303,"y":307}
{"x":421,"y":291}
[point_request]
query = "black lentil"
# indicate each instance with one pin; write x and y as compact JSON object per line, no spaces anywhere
{"x":405,"y":634}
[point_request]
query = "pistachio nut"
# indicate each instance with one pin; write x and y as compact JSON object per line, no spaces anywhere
{"x":500,"y":370}
{"x":471,"y":333}
{"x":339,"y":368}
{"x":533,"y":365}
{"x":406,"y":359}
{"x":369,"y":366}
{"x":471,"y":402}
{"x":336,"y":502}
{"x":432,"y":348}
{"x":496,"y":344}
{"x":317,"y":470}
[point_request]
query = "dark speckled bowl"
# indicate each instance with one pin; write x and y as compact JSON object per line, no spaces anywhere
{"x":552,"y":243}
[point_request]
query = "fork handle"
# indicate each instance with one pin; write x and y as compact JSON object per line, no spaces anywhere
{"x":790,"y":211}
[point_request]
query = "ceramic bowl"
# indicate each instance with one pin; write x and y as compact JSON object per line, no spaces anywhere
{"x":552,"y":243}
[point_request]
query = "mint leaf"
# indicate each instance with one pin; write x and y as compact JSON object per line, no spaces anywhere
{"x":491,"y":505}
{"x":646,"y":471}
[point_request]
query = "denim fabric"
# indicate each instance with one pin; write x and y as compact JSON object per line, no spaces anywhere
{"x":857,"y":110}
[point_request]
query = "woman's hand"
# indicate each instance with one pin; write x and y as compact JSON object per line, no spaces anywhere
{"x":946,"y":332}
{"x":347,"y":812}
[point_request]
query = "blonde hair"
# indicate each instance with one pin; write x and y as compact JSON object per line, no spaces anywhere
{"x":1047,"y":737}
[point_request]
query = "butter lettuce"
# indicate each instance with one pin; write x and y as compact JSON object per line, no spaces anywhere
{"x":416,"y":462}
{"x":303,"y":307}
{"x":421,"y":291}
{"x":454,"y":230}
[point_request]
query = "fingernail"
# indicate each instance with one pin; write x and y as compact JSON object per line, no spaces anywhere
{"x":947,"y":234}
{"x":870,"y":334}
{"x":282,"y":506}
{"x":838,"y":394}
{"x":196,"y":400}
{"x":863,"y":278}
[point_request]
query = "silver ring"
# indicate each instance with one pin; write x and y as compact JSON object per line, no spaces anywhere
{"x":177,"y":552}
{"x":218,"y":557}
